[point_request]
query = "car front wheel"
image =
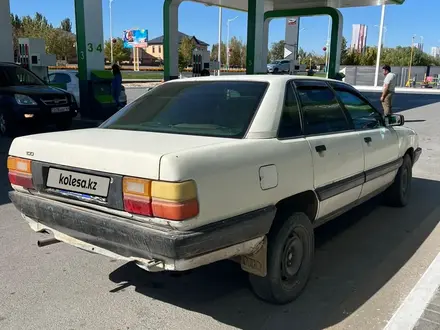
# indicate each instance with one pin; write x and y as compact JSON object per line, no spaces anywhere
{"x":399,"y":192}
{"x":290,"y":254}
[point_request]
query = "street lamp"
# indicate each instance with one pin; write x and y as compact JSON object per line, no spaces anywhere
{"x":219,"y":49}
{"x":111,"y":31}
{"x":227,"y":51}
{"x":379,"y":45}
{"x":385,"y":30}
{"x":408,"y":84}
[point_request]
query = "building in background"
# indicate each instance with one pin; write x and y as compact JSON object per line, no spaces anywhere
{"x":435,"y":51}
{"x":419,"y":46}
{"x":153,"y":54}
{"x":359,"y":38}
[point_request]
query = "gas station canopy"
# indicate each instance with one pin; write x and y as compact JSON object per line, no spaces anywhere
{"x":297,"y":4}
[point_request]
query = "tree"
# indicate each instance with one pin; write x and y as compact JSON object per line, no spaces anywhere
{"x":277,"y":50}
{"x":62,"y":44}
{"x":237,"y":57}
{"x":344,"y":50}
{"x":186,"y":49}
{"x":214,"y":53}
{"x":119,"y":52}
{"x":66,"y":25}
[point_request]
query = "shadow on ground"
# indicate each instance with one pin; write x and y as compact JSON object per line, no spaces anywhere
{"x":356,"y":255}
{"x":402,"y":102}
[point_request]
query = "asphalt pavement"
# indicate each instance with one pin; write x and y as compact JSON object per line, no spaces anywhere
{"x":367,"y":262}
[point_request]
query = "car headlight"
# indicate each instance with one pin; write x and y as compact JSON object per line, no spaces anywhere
{"x":24,"y":100}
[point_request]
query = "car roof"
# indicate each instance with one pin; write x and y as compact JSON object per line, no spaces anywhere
{"x":255,"y":77}
{"x":8,"y":64}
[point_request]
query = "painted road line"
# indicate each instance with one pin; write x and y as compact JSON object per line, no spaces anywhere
{"x":418,"y":299}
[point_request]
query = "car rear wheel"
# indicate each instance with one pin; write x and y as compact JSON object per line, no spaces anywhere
{"x":7,"y":125}
{"x":290,"y":254}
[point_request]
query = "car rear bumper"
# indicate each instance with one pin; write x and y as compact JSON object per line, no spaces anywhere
{"x":132,"y":239}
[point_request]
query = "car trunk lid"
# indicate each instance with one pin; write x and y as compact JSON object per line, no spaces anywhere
{"x":130,"y":153}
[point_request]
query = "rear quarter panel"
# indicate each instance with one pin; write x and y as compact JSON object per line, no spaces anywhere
{"x":228,"y":175}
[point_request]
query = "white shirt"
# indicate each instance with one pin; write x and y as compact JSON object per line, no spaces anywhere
{"x":390,"y":80}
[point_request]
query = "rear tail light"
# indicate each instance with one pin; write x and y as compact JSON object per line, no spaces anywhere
{"x":137,"y":196}
{"x":167,"y":200}
{"x":20,"y":172}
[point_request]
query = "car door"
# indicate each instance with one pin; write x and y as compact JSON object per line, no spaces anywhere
{"x":380,"y":143}
{"x":338,"y":157}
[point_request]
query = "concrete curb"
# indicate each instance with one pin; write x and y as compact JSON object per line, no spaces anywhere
{"x":415,"y":303}
{"x":128,"y":81}
{"x":400,"y":90}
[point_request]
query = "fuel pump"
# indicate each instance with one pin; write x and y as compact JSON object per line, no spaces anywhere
{"x":202,"y":64}
{"x":32,"y":56}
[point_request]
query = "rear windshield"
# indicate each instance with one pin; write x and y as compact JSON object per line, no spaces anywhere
{"x":208,"y":108}
{"x":17,"y":76}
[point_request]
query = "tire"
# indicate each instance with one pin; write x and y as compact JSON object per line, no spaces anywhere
{"x":399,"y":192}
{"x":8,"y":127}
{"x":290,"y":253}
{"x":275,"y":71}
{"x":64,"y":123}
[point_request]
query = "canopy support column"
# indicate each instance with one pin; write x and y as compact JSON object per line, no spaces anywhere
{"x":90,"y":47}
{"x":6,"y":43}
{"x":255,"y":38}
{"x":265,"y":45}
{"x":171,"y":39}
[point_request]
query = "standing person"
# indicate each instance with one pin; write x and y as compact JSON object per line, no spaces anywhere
{"x":389,"y":88}
{"x":116,"y":84}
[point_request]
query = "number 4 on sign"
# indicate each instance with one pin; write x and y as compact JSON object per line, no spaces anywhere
{"x":99,"y":48}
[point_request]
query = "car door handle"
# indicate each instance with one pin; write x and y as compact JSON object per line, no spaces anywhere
{"x":320,"y":148}
{"x":367,"y":139}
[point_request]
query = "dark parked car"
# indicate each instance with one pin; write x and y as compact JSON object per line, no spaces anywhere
{"x":26,"y":100}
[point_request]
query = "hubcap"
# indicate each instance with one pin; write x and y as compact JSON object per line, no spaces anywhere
{"x":292,"y":258}
{"x":2,"y":123}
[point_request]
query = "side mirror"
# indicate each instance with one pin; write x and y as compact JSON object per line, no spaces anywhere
{"x":394,"y":120}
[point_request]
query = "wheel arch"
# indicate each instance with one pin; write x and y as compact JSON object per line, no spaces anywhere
{"x":410,"y":153}
{"x":306,"y":202}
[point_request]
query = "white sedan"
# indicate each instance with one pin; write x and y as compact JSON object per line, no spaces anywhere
{"x":68,"y":80}
{"x":211,"y":168}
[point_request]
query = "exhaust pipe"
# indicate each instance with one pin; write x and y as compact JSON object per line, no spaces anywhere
{"x":48,"y":241}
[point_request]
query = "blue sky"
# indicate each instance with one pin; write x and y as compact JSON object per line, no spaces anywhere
{"x":417,"y":17}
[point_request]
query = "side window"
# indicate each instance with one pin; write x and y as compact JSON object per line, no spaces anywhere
{"x":364,"y":116}
{"x":63,"y":78}
{"x":52,"y":78}
{"x":321,"y":110}
{"x":290,"y":122}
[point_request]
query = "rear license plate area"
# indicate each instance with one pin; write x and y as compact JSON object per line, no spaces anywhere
{"x":78,"y":185}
